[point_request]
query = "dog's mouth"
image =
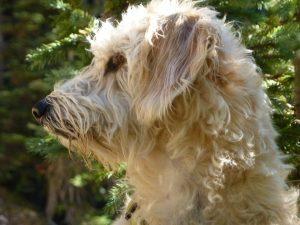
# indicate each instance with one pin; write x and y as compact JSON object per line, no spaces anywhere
{"x":63,"y":134}
{"x":62,"y":128}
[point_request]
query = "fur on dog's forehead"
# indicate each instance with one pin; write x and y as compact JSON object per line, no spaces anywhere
{"x":140,"y":23}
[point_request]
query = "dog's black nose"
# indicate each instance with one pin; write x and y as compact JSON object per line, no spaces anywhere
{"x":40,"y":108}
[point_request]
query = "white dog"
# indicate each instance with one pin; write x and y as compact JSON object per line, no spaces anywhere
{"x":173,"y":93}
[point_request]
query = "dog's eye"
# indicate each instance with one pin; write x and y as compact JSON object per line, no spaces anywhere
{"x":114,"y":63}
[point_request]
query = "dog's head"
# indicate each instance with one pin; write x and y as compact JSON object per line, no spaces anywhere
{"x":143,"y":79}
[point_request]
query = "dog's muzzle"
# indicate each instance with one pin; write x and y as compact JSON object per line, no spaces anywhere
{"x":40,"y":109}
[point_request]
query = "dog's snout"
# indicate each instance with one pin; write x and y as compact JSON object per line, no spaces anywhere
{"x":40,"y":108}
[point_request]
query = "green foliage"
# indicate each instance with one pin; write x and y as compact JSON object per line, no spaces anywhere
{"x":116,"y":7}
{"x":47,"y":147}
{"x":116,"y":197}
{"x":118,"y":193}
{"x":70,"y":28}
{"x":53,"y":52}
{"x":95,"y":220}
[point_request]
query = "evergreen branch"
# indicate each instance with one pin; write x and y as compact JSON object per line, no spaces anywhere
{"x":116,"y":197}
{"x":52,"y":52}
{"x":47,"y":147}
{"x":55,"y":75}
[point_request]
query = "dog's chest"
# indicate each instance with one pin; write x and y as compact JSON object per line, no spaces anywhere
{"x":165,"y":193}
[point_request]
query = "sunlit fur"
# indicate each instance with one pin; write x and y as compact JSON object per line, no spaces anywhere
{"x":186,"y":112}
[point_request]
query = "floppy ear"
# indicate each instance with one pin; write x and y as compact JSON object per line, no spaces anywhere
{"x":184,"y":49}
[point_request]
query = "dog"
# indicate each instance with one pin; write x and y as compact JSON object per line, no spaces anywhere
{"x":172,"y":92}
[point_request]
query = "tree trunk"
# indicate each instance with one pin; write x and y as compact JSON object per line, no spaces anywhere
{"x":62,"y":192}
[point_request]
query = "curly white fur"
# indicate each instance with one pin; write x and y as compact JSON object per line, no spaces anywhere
{"x":186,"y":112}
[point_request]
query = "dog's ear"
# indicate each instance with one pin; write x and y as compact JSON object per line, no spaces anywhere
{"x":183,"y":49}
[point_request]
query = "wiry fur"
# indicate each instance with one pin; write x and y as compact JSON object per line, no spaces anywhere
{"x":186,"y":112}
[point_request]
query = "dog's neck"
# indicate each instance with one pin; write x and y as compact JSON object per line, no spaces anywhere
{"x":164,"y":187}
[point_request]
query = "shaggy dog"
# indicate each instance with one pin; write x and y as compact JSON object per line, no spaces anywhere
{"x":172,"y":92}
